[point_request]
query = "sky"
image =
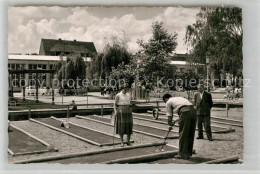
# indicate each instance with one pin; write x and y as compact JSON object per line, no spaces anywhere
{"x":27,"y":25}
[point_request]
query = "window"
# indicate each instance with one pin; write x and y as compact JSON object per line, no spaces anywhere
{"x":12,"y":66}
{"x":22,"y":66}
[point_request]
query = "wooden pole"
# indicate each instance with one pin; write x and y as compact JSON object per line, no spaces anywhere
{"x":29,"y":112}
{"x":37,"y":88}
{"x":102,"y":110}
{"x":87,"y":97}
{"x":227,"y":108}
{"x":23,"y":93}
{"x":52,"y":96}
{"x":68,"y":112}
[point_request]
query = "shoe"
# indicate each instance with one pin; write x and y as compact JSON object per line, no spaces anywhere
{"x":181,"y":157}
{"x":178,"y":157}
{"x":128,"y":143}
{"x":199,"y":137}
{"x":186,"y":157}
{"x":122,"y":144}
{"x":210,"y":137}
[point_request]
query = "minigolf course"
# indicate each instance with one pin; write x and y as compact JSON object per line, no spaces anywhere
{"x":161,"y":120}
{"x":128,"y":154}
{"x":214,"y":119}
{"x":23,"y":143}
{"x":137,"y":128}
{"x":88,"y":135}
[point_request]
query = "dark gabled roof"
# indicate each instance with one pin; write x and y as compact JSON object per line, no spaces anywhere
{"x":51,"y":45}
{"x":69,"y":48}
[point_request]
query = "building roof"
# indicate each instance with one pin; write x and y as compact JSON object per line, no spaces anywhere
{"x":39,"y":58}
{"x":51,"y":45}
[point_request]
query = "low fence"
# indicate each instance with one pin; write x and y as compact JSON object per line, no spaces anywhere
{"x":98,"y":108}
{"x":68,"y":111}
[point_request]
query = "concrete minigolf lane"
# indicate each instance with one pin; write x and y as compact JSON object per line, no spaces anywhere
{"x":20,"y":143}
{"x":88,"y":134}
{"x":115,"y":155}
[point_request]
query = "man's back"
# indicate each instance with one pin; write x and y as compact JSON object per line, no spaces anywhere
{"x":175,"y":103}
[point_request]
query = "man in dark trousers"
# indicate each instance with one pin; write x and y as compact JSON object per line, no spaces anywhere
{"x":184,"y":109}
{"x":203,"y":104}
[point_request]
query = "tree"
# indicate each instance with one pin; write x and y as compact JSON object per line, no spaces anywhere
{"x":155,"y":54}
{"x":96,"y":67}
{"x":218,"y":32}
{"x":73,"y":68}
{"x":115,"y":52}
{"x":124,"y":74}
{"x":113,"y":56}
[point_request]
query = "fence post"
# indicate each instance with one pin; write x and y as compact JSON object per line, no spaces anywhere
{"x":52,"y":96}
{"x":102,"y":110}
{"x":68,"y":112}
{"x":87,"y":97}
{"x":29,"y":112}
{"x":24,"y":93}
{"x":37,"y":88}
{"x":227,"y":108}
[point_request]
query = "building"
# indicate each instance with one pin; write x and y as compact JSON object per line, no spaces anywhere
{"x":51,"y":47}
{"x":181,"y":63}
{"x":50,"y":54}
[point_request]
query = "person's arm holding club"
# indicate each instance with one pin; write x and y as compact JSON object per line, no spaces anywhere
{"x":170,"y":115}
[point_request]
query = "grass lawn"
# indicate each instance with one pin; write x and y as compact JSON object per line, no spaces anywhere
{"x":24,"y":105}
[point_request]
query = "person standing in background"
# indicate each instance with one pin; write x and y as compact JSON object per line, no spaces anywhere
{"x":203,"y":104}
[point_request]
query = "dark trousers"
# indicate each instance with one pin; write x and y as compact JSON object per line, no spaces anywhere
{"x":187,"y":126}
{"x":205,"y":119}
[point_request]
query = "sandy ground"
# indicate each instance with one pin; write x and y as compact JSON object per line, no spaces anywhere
{"x":224,"y":145}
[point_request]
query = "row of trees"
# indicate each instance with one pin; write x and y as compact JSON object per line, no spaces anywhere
{"x":217,"y":31}
{"x":150,"y":63}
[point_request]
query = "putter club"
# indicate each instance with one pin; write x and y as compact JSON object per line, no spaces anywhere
{"x":161,"y":149}
{"x":114,"y":129}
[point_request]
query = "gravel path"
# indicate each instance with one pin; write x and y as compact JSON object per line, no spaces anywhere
{"x":223,"y":145}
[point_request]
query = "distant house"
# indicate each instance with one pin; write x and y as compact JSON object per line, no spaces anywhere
{"x":49,"y":56}
{"x":52,"y":47}
{"x":181,"y":63}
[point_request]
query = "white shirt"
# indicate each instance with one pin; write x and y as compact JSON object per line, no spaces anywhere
{"x":174,"y":103}
{"x":201,"y":94}
{"x":122,"y":99}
